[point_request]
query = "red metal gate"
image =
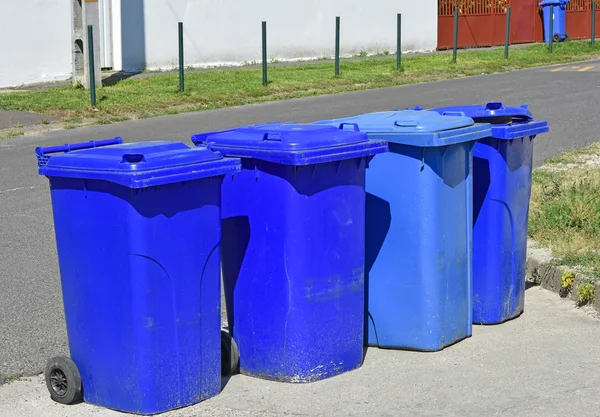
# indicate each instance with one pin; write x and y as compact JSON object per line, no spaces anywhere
{"x":483,"y":22}
{"x":579,"y":18}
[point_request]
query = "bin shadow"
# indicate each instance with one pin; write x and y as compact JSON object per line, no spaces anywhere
{"x":518,"y":153}
{"x":225,"y":381}
{"x":301,"y":177}
{"x":377,"y":225}
{"x":167,"y":203}
{"x":438,"y":160}
{"x":234,"y":244}
{"x":481,"y":169}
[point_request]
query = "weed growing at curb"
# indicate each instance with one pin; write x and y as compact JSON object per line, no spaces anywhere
{"x":567,"y":279}
{"x":586,"y":293}
{"x":8,"y":378}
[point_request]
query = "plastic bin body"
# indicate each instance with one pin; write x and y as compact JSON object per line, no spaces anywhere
{"x":142,"y":308}
{"x":418,"y":229}
{"x":502,"y":169}
{"x":559,"y":27}
{"x":293,"y":248}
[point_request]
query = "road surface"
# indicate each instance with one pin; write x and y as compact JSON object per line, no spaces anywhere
{"x":31,"y":318}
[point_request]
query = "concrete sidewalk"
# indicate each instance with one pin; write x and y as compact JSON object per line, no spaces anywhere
{"x":544,"y":363}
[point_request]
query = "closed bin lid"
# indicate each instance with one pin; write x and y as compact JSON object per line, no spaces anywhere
{"x":553,"y":2}
{"x":140,"y":165}
{"x":415,"y":127}
{"x":508,"y":122}
{"x":291,"y":143}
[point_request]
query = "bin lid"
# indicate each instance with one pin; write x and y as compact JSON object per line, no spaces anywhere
{"x":553,"y":2}
{"x":495,"y":112}
{"x":508,"y":122}
{"x":415,"y":127}
{"x":291,"y":143}
{"x":142,"y":164}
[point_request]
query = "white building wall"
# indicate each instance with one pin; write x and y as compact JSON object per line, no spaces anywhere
{"x":35,"y":41}
{"x":229,"y":31}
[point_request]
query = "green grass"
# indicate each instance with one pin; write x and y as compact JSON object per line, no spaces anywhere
{"x":159,"y":94}
{"x":12,"y":134}
{"x":565,"y":209}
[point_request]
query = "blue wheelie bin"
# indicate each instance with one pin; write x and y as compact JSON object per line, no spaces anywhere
{"x":293,"y":247}
{"x":137,"y":232}
{"x":418,"y":228}
{"x":502,"y":168}
{"x":559,"y":19}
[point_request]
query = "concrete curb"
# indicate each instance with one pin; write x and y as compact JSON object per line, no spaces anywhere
{"x":542,"y":270}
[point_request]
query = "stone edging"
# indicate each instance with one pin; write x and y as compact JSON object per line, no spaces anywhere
{"x":542,"y":271}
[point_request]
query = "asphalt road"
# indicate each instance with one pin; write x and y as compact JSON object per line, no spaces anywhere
{"x":31,"y":318}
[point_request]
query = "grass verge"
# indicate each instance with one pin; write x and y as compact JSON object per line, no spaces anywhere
{"x":158,"y":95}
{"x":565,"y":209}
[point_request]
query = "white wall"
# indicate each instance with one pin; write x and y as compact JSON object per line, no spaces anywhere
{"x":229,"y":31}
{"x":35,"y":41}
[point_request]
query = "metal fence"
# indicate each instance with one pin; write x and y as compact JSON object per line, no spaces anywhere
{"x":481,"y":22}
{"x":472,"y":7}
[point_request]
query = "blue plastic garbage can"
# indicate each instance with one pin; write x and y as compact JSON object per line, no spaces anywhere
{"x":293,"y":247}
{"x":137,"y":232}
{"x":502,"y":168}
{"x":419,"y":228}
{"x":559,"y":17}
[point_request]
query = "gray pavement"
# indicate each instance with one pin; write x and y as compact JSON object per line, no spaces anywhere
{"x":12,"y":118}
{"x":31,"y":318}
{"x":543,"y":364}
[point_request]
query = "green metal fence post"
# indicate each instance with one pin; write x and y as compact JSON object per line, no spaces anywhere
{"x":92,"y":75}
{"x":593,"y":23}
{"x":399,"y":41}
{"x":265,"y":80}
{"x":181,"y":64}
{"x":337,"y":46}
{"x":507,"y":41}
{"x":551,"y":29}
{"x":455,"y":47}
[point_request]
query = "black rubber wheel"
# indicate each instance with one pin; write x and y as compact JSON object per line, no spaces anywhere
{"x":567,"y":39}
{"x":63,"y":380}
{"x":230,"y":355}
{"x":557,"y":37}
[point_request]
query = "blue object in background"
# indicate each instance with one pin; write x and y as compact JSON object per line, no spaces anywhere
{"x":419,"y":228}
{"x":559,"y":26}
{"x":502,"y":169}
{"x":293,"y":247}
{"x":137,"y":232}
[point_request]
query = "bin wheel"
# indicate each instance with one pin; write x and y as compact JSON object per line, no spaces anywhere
{"x":567,"y":39}
{"x":230,"y":355}
{"x":63,"y":380}
{"x":557,"y":37}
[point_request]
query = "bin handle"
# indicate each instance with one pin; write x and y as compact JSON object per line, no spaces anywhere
{"x":454,"y":113}
{"x":494,"y":105}
{"x":133,"y":158}
{"x":272,"y":136}
{"x":43,"y":154}
{"x":354,"y":125}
